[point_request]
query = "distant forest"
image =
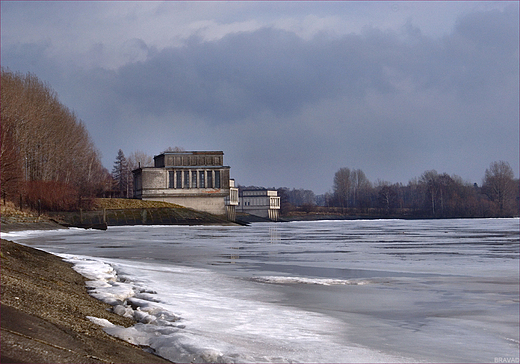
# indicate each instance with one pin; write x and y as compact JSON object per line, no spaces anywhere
{"x":49,"y":162}
{"x":432,"y":195}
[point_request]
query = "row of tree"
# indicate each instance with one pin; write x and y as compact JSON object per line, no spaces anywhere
{"x":48,"y":159}
{"x":431,"y":195}
{"x":45,"y":147}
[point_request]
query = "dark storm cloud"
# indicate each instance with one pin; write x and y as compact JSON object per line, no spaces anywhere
{"x":276,"y":71}
{"x":484,"y":48}
{"x":243,"y":74}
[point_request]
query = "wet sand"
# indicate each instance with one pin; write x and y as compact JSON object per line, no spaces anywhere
{"x":44,"y":309}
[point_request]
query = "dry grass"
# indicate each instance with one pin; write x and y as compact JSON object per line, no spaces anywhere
{"x":9,"y":209}
{"x":123,"y":203}
{"x":12,"y":211}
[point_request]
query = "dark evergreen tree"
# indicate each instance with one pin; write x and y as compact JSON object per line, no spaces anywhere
{"x":122,"y":175}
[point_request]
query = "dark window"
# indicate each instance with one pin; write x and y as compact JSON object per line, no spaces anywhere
{"x":186,"y":179}
{"x":217,"y":179}
{"x":179,"y":179}
{"x":201,"y":179}
{"x":193,"y":179}
{"x":209,"y":178}
{"x":171,"y":176}
{"x":137,"y":181}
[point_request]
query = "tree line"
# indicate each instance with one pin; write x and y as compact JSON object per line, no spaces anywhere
{"x":432,"y":195}
{"x":48,"y":158}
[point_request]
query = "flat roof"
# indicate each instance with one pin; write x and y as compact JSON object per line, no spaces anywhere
{"x":194,"y":152}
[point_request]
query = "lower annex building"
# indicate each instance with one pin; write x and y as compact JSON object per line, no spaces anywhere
{"x":259,"y":202}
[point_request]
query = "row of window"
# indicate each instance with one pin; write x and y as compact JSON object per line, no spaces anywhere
{"x":274,"y":202}
{"x":193,"y":160}
{"x":194,"y":179}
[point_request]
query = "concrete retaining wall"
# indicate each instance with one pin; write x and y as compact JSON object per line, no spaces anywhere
{"x":147,"y":216}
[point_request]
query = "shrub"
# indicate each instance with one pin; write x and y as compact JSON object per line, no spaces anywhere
{"x":54,"y":196}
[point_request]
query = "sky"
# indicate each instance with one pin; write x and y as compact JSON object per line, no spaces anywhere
{"x":290,"y":91}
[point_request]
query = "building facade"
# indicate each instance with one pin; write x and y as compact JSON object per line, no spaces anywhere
{"x":198,"y":180}
{"x":231,"y":201}
{"x":263,"y":203}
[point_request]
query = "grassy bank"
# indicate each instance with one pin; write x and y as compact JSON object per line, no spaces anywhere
{"x":109,"y":212}
{"x":128,"y":203}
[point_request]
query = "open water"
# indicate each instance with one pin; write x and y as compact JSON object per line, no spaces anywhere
{"x":324,"y":291}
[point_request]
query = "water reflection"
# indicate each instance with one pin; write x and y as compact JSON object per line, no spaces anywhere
{"x":274,"y":235}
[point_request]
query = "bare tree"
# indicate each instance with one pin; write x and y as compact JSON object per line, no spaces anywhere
{"x":52,"y":144}
{"x":299,"y":197}
{"x":342,"y":186}
{"x":11,"y":164}
{"x":499,"y":185}
{"x":139,"y":159}
{"x":175,"y":149}
{"x":387,"y":196}
{"x":360,"y":188}
{"x":429,"y":181}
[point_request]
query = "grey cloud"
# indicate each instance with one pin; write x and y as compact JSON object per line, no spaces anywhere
{"x":391,"y":103}
{"x":135,"y":50}
{"x":494,"y":29}
{"x":247,"y":73}
{"x":276,"y":71}
{"x":484,"y":48}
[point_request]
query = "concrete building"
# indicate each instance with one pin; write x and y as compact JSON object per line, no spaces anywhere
{"x":263,"y":203}
{"x":231,"y":201}
{"x":198,"y":180}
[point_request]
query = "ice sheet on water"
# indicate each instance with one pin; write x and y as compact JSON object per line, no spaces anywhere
{"x":436,"y":290}
{"x":304,"y":280}
{"x":103,"y":282}
{"x":192,"y":315}
{"x":128,"y":299}
{"x":28,"y":233}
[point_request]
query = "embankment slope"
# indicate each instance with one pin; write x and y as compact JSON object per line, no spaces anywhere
{"x":43,"y":315}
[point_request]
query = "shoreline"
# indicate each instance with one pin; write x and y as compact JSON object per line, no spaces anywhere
{"x":28,"y":226}
{"x":44,"y":309}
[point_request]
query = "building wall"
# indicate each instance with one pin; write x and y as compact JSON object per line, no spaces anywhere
{"x":263,"y":203}
{"x":185,"y":159}
{"x":154,"y":178}
{"x":212,"y":204}
{"x":197,"y":180}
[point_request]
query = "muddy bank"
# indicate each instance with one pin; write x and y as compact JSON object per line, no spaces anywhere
{"x":44,"y":309}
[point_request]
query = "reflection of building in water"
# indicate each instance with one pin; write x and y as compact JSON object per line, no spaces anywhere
{"x":263,"y":203}
{"x":198,"y":180}
{"x":274,"y":235}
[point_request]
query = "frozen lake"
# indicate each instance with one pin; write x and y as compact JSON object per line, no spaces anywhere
{"x":324,"y":291}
